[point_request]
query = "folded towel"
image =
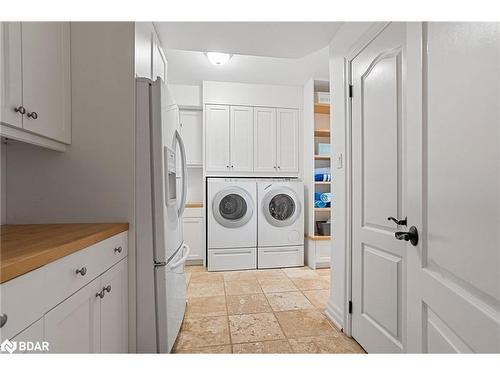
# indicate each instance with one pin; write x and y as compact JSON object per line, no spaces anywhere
{"x":326,"y":197}
{"x":319,"y":204}
{"x":322,"y":177}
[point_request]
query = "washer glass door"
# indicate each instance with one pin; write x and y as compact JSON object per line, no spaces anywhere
{"x":280,"y":208}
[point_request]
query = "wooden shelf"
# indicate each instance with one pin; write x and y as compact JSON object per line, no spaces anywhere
{"x":194,"y":204}
{"x":319,"y":238}
{"x":322,"y":182}
{"x":322,"y":108}
{"x":321,"y":157}
{"x":322,"y":133}
{"x":325,"y":209}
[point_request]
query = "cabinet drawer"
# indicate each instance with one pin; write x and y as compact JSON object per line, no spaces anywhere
{"x":23,"y":300}
{"x":193,"y":212}
{"x":283,"y":256}
{"x":232,"y":259}
{"x":62,"y":278}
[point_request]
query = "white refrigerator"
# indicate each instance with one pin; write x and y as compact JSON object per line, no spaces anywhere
{"x":160,"y":202}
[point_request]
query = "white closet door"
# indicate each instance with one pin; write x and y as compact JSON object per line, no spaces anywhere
{"x":241,"y":139}
{"x":47,"y":79}
{"x":11,"y":95}
{"x":288,"y":140}
{"x":217,"y":138}
{"x":264,"y":139}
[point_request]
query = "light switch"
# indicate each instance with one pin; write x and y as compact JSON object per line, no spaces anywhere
{"x":339,"y":161}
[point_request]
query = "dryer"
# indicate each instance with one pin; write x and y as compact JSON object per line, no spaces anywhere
{"x":280,"y":223}
{"x":232,"y":224}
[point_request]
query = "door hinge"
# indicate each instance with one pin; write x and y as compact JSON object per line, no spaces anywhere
{"x":350,"y":307}
{"x":160,"y":264}
{"x":351,"y":89}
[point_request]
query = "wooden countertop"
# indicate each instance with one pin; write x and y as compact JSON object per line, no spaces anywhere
{"x":24,"y":248}
{"x":194,"y":204}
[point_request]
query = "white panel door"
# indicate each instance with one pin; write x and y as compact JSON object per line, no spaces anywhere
{"x":287,"y":121}
{"x":378,"y":259}
{"x":192,"y":135}
{"x":241,"y":144}
{"x":265,"y":140}
{"x":193,"y":237}
{"x":73,"y":326}
{"x":47,"y":79}
{"x":454,"y":187}
{"x":217,"y":138}
{"x":114,"y":309}
{"x":11,"y":94}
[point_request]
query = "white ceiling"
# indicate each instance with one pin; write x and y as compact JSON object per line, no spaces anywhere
{"x":273,"y":39}
{"x":193,"y":67}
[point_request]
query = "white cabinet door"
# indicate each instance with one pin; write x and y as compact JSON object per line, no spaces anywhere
{"x":265,"y":140}
{"x":73,"y":325}
{"x":217,"y":138}
{"x":32,"y":334}
{"x":193,"y":237}
{"x":241,"y":143}
{"x":11,"y":74}
{"x":158,"y":60}
{"x":288,"y":140}
{"x":114,"y":309}
{"x":46,"y":79}
{"x":192,"y":134}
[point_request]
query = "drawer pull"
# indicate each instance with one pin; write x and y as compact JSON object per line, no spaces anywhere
{"x":118,"y":249}
{"x":107,"y":289}
{"x":100,"y":294}
{"x":3,"y":319}
{"x":33,"y":115}
{"x":82,"y":271}
{"x":20,"y":110}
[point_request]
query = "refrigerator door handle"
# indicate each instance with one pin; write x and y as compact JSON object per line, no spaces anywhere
{"x":179,"y":140}
{"x":183,"y":259}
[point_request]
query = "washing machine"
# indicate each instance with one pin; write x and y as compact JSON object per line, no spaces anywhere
{"x":232,"y":224}
{"x":280,"y":223}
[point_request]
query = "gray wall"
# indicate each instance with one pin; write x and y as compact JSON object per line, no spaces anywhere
{"x":93,"y":181}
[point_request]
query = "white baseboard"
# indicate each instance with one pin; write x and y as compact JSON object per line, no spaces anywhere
{"x":335,"y":315}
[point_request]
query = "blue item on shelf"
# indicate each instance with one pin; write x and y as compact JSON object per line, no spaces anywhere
{"x":323,"y":149}
{"x":326,"y":197}
{"x":323,"y":177}
{"x":319,"y":204}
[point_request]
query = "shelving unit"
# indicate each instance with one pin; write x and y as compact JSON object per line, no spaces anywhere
{"x":316,"y":130}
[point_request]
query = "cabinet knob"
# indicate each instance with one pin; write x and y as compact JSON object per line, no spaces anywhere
{"x":82,"y":271}
{"x":20,"y":110}
{"x":279,"y":167}
{"x":227,"y":166}
{"x":108,"y":289}
{"x":32,"y":115}
{"x":100,"y":294}
{"x":232,"y":166}
{"x":3,"y":319}
{"x":118,"y":249}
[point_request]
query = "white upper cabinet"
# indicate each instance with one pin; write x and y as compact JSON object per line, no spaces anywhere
{"x":265,"y":139}
{"x":192,"y":134}
{"x":36,"y":81}
{"x":288,"y":140}
{"x":46,"y":79}
{"x":241,"y":143}
{"x":217,"y":138}
{"x":11,"y":78}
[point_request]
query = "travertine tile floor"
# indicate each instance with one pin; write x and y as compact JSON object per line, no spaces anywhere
{"x":259,"y":311}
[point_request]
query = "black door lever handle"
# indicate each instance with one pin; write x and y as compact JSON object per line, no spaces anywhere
{"x":399,"y":222}
{"x":411,"y":235}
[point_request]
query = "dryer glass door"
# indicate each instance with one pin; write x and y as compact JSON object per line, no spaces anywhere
{"x":282,"y":207}
{"x":233,"y":207}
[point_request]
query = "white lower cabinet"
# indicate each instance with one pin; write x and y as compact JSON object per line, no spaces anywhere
{"x":94,"y":319}
{"x":73,"y":326}
{"x":192,"y":225}
{"x":114,"y":310}
{"x":32,"y":335}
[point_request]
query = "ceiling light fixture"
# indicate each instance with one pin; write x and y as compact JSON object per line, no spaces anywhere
{"x":218,"y":58}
